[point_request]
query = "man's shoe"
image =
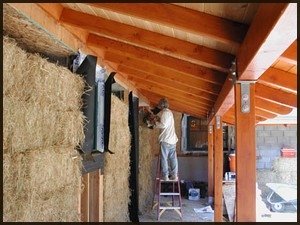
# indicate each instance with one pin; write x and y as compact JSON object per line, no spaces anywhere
{"x":174,"y":177}
{"x":165,"y":178}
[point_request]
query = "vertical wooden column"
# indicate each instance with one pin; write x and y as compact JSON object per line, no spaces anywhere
{"x":101,"y":216}
{"x":94,"y":196}
{"x":84,"y":208}
{"x":210,"y":161}
{"x":245,"y":157}
{"x":218,"y":169}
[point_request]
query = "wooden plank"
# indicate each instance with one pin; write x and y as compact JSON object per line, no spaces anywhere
{"x":174,"y":77}
{"x":165,"y":90}
{"x":276,"y":95}
{"x":245,"y":158}
{"x":225,"y":100}
{"x":54,"y":9}
{"x":148,"y":39}
{"x":290,"y":55}
{"x":180,"y":106}
{"x":94,"y":196}
{"x":158,"y":96}
{"x":272,"y":31}
{"x":85,"y":199}
{"x":264,"y":114}
{"x":101,"y":198}
{"x":279,"y":79}
{"x":272,"y":106}
{"x":163,"y":62}
{"x":218,"y":171}
{"x":223,"y":30}
{"x":165,"y":81}
{"x":210,"y":156}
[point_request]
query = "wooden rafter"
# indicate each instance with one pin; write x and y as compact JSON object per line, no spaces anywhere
{"x":255,"y":54}
{"x":223,"y":30}
{"x":144,"y":38}
{"x":258,"y":50}
{"x":272,"y":107}
{"x":164,"y":62}
{"x":276,"y":95}
{"x":174,"y":105}
{"x":290,"y":55}
{"x":170,"y":97}
{"x":157,"y":88}
{"x":280,"y":79}
{"x":165,"y":81}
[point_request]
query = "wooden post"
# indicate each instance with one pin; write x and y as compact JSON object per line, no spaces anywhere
{"x":94,"y":196}
{"x":85,"y":199}
{"x":245,"y":155}
{"x":218,"y":169}
{"x":101,"y":218}
{"x":210,"y":162}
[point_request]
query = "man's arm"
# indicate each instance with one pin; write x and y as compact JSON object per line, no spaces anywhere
{"x":163,"y":121}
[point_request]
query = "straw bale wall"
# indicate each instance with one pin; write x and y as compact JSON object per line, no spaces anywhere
{"x":116,"y":170}
{"x":42,"y":125}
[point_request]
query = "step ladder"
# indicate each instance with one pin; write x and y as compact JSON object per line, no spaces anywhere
{"x":158,"y":194}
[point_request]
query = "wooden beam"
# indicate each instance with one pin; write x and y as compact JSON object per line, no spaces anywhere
{"x":94,"y":184}
{"x":163,"y":62}
{"x":272,"y":106}
{"x":245,"y":158}
{"x":165,"y":81}
{"x":251,"y":60}
{"x":264,"y":114}
{"x":279,"y":79}
{"x":272,"y":31}
{"x":290,"y":55}
{"x":223,"y":30}
{"x":218,"y":171}
{"x":225,"y":100}
{"x":276,"y":95}
{"x":85,"y":199}
{"x":193,"y":83}
{"x":210,"y":191}
{"x":157,"y":88}
{"x":176,"y":106}
{"x":182,"y":104}
{"x":101,"y":198}
{"x":148,"y":39}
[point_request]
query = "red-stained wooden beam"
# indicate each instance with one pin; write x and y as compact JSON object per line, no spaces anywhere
{"x":272,"y":31}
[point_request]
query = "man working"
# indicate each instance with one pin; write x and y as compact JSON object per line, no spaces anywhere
{"x":167,"y":140}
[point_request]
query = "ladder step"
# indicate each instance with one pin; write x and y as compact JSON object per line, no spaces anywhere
{"x":170,"y":181}
{"x":170,"y":193}
{"x":169,"y":207}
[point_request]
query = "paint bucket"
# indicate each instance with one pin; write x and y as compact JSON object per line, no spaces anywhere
{"x":232,"y":162}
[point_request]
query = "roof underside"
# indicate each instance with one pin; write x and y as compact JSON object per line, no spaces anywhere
{"x":180,"y":51}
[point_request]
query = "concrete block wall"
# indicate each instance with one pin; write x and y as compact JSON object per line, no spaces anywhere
{"x":270,"y":139}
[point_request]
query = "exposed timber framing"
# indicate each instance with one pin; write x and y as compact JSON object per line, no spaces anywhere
{"x":218,"y":169}
{"x":214,"y":27}
{"x":210,"y":135}
{"x":245,"y":157}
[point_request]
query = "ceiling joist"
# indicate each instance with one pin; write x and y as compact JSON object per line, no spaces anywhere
{"x":147,"y":39}
{"x":214,"y":27}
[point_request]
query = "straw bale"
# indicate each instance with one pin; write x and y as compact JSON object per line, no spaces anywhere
{"x":31,"y":35}
{"x":31,"y":78}
{"x":28,"y":126}
{"x":41,"y":185}
{"x":177,"y":121}
{"x":116,"y":170}
{"x":146,"y":179}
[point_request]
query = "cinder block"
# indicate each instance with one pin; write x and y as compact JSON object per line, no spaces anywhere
{"x":292,"y":127}
{"x":270,"y":127}
{"x":259,"y":127}
{"x":271,"y":140}
{"x":263,"y":133}
{"x":293,"y":141}
{"x":283,"y":141}
{"x":290,"y":133}
{"x":260,"y":140}
{"x":265,"y":159}
{"x":277,"y":133}
{"x":282,"y":127}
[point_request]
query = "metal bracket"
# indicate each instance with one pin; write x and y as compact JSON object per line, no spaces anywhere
{"x":218,"y":122}
{"x":233,"y":71}
{"x":210,"y":129}
{"x":245,"y":97}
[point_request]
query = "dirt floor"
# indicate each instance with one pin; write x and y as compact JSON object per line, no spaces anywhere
{"x":189,"y":215}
